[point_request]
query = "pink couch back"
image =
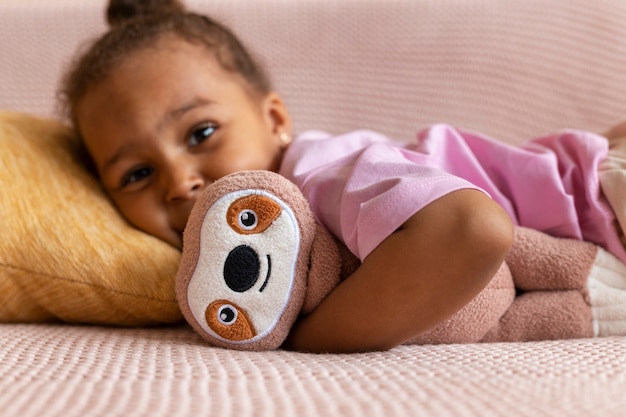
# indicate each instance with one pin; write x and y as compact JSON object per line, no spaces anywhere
{"x":512,"y":69}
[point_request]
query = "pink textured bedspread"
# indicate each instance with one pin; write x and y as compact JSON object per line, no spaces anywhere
{"x":92,"y":371}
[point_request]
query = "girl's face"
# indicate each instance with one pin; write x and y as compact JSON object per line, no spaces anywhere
{"x":166,"y":123}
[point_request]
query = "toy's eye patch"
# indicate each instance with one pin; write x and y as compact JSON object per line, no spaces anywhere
{"x":229,"y":321}
{"x":252,"y":214}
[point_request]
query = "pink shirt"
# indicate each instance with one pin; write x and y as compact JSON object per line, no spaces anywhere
{"x":362,"y":185}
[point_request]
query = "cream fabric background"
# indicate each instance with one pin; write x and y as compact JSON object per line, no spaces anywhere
{"x":511,"y":69}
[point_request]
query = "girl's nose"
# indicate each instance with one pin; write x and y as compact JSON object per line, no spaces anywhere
{"x":184,"y":184}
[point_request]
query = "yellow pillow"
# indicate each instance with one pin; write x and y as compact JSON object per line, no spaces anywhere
{"x":65,"y":252}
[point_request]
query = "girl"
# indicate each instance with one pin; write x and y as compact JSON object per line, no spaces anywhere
{"x":168,"y":101}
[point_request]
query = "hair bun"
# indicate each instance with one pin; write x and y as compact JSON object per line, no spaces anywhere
{"x":122,"y":11}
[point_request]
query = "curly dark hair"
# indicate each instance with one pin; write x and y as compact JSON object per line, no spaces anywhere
{"x":138,"y":24}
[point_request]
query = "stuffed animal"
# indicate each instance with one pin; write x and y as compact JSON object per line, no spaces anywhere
{"x":254,"y":260}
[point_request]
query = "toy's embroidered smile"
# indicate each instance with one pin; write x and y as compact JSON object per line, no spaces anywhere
{"x":269,"y":273}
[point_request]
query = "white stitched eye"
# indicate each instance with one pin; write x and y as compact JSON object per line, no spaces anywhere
{"x":248,"y":219}
{"x":227,"y":314}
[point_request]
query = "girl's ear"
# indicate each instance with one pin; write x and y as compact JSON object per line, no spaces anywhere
{"x":277,"y":116}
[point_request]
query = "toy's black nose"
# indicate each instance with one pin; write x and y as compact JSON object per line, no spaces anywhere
{"x":242,"y":268}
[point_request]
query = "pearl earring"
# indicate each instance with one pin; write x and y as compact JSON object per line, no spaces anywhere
{"x":285,"y":138}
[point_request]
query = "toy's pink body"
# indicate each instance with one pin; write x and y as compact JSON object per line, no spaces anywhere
{"x":538,"y":294}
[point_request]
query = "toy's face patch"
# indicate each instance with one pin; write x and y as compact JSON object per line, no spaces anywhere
{"x":249,"y":243}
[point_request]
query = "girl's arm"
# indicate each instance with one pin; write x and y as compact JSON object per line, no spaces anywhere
{"x":433,"y":265}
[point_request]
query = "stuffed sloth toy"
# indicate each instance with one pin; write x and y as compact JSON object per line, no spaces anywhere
{"x":254,"y":259}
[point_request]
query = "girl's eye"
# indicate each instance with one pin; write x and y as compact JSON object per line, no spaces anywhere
{"x":201,"y":134}
{"x":136,"y":175}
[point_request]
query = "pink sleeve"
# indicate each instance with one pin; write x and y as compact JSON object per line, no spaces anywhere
{"x":366,"y":187}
